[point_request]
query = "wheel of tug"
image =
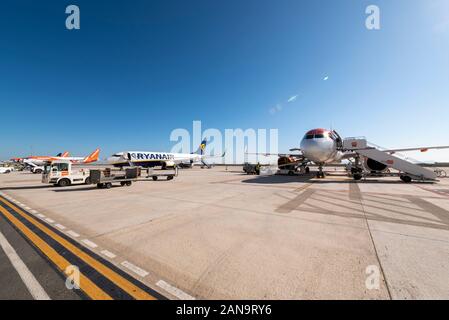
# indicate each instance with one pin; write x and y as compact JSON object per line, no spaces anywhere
{"x":307,"y":170}
{"x":154,"y":178}
{"x":108,"y":185}
{"x":128,"y":183}
{"x":64,"y":182}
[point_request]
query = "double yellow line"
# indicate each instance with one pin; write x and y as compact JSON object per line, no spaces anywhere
{"x":86,"y":285}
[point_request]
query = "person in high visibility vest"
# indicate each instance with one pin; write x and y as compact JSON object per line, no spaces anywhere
{"x":258,"y":168}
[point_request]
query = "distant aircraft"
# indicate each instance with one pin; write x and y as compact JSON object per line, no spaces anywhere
{"x":149,"y":159}
{"x":41,"y":160}
{"x":322,"y":147}
{"x":64,"y":154}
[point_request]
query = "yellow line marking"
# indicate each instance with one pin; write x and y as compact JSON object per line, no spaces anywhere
{"x":86,"y":285}
{"x":113,"y":276}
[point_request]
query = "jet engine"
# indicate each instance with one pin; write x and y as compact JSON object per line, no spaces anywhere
{"x":374,"y":166}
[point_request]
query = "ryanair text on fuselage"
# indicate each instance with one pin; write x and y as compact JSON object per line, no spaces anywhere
{"x":151,"y":156}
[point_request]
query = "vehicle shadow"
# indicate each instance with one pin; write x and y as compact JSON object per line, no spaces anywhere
{"x":26,"y":187}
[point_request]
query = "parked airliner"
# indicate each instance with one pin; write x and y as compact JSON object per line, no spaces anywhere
{"x":148,"y":159}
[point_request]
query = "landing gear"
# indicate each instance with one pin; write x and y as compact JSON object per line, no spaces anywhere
{"x":320,"y":174}
{"x":357,"y":176}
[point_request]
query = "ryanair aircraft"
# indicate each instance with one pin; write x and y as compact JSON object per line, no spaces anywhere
{"x":148,"y":159}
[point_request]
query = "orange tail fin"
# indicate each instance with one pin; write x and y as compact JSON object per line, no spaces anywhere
{"x":92,"y":157}
{"x":65,"y":154}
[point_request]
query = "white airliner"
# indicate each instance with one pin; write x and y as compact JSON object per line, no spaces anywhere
{"x":321,"y":147}
{"x":148,"y":159}
{"x":42,"y":160}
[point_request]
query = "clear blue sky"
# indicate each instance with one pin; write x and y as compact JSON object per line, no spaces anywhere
{"x":138,"y":69}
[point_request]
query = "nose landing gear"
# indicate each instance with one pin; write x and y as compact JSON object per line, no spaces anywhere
{"x":320,"y":174}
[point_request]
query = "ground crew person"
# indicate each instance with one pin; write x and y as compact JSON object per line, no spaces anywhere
{"x":258,"y":168}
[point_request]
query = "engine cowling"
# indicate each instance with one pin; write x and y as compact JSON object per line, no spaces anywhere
{"x":374,"y":166}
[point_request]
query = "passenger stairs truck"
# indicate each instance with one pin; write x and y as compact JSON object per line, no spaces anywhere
{"x":407,"y":170}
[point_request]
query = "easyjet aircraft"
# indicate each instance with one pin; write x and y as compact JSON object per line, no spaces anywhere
{"x":41,"y":160}
{"x":65,"y":154}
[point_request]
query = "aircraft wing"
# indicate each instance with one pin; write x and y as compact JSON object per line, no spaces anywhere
{"x":214,"y":155}
{"x":278,"y":154}
{"x":422,"y":149}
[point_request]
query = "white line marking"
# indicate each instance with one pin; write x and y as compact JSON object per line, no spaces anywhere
{"x":33,"y":211}
{"x":40,"y":215}
{"x":27,"y":208}
{"x":134,"y":268}
{"x":25,"y":274}
{"x":60,"y":226}
{"x":89,"y":243}
{"x":73,"y":234}
{"x":108,"y":254}
{"x":49,"y":220}
{"x":174,"y":291}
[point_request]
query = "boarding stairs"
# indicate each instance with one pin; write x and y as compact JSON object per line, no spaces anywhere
{"x":360,"y":147}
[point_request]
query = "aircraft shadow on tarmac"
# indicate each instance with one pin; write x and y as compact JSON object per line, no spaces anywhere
{"x":374,"y":206}
{"x":274,"y":179}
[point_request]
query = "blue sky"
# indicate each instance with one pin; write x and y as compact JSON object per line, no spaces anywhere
{"x":136,"y":70}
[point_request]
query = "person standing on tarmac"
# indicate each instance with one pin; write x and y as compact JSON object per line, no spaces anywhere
{"x":258,"y":168}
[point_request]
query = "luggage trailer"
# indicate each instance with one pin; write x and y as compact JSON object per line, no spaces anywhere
{"x":106,"y":177}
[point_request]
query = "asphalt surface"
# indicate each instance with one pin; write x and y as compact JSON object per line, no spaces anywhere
{"x":220,"y":234}
{"x":11,"y":284}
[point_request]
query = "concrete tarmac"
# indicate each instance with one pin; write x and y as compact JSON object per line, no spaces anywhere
{"x":218,"y":234}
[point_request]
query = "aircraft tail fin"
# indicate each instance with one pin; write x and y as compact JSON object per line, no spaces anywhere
{"x":65,"y":154}
{"x":201,"y":147}
{"x":92,"y":157}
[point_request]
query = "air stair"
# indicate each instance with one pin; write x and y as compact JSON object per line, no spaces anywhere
{"x":360,"y":147}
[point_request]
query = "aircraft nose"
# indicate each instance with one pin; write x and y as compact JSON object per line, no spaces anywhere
{"x":315,"y":151}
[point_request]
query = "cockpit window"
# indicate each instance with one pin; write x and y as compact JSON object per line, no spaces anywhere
{"x":309,"y":136}
{"x":319,"y":136}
